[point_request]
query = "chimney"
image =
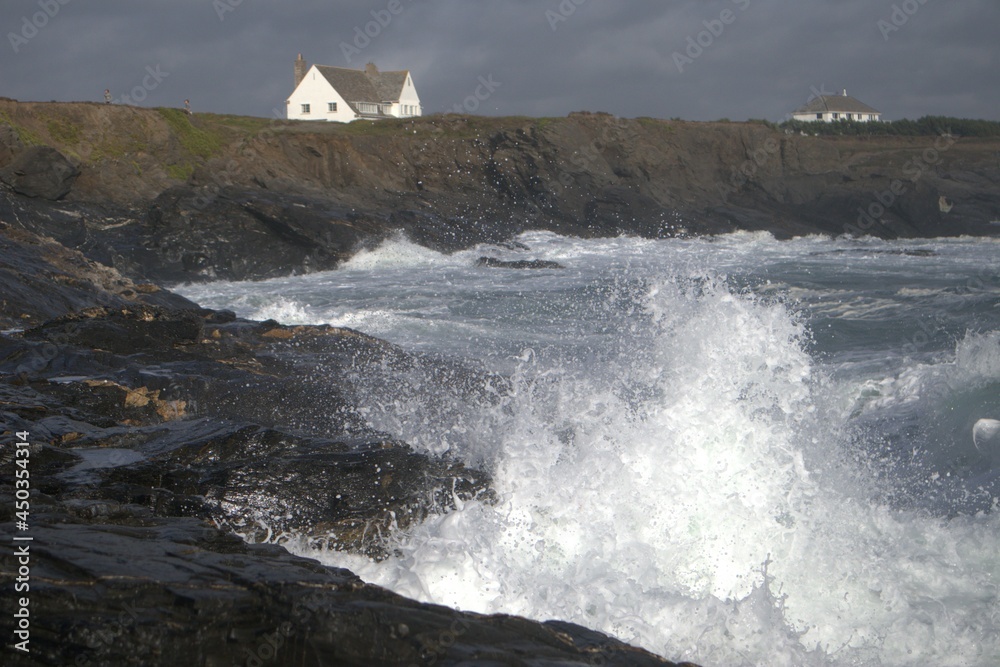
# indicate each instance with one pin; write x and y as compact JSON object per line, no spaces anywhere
{"x":301,"y":67}
{"x":371,"y":70}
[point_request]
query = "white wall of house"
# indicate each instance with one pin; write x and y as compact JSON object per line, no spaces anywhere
{"x":409,"y":102}
{"x":312,"y":100}
{"x":831,"y":116}
{"x":313,"y":97}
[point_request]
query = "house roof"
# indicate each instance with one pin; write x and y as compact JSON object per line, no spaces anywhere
{"x":368,"y":85}
{"x":836,"y":104}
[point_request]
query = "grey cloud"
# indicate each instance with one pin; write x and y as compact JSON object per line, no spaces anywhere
{"x":608,"y":56}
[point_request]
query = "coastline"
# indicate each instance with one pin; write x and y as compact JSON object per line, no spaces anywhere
{"x":167,"y":197}
{"x":143,"y":436}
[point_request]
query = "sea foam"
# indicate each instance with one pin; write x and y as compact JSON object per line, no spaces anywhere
{"x":690,"y":499}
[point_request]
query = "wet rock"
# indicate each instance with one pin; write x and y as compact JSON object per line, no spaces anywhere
{"x":262,"y":483}
{"x":494,"y":263}
{"x":194,"y":234}
{"x":40,"y":171}
{"x":197,"y":413}
{"x":123,"y":330}
{"x":43,"y":280}
{"x":111,"y":585}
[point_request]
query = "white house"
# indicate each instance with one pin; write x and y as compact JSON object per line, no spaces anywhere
{"x":344,"y":95}
{"x":829,"y":108}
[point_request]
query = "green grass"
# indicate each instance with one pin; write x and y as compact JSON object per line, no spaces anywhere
{"x":66,"y":133}
{"x":657,"y":125}
{"x":243,"y":125}
{"x":544,"y":122}
{"x":120,"y":145}
{"x":194,"y":140}
{"x":926,"y":126}
{"x":180,"y":172}
{"x":27,"y":137}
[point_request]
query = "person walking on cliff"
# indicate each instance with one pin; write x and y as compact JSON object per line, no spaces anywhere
{"x":107,"y":96}
{"x":187,"y":107}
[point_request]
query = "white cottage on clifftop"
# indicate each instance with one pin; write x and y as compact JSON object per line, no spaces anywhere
{"x":830,"y":108}
{"x":344,"y":95}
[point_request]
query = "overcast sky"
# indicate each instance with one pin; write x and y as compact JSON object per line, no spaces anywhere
{"x":697,"y":60}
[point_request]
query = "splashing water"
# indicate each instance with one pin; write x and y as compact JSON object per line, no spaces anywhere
{"x":701,"y":492}
{"x":691,"y":523}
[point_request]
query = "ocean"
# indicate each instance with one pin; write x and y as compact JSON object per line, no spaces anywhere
{"x":730,"y":450}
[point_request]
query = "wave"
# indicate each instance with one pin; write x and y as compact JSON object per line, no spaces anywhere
{"x":396,"y":253}
{"x":697,"y":495}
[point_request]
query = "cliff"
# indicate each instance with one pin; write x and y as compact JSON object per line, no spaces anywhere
{"x":160,"y":193}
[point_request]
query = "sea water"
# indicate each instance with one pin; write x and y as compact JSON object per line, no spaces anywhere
{"x":728,"y":450}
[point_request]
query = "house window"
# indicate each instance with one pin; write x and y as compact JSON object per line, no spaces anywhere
{"x":819,"y":116}
{"x":332,"y":107}
{"x":836,"y":116}
{"x":305,"y":108}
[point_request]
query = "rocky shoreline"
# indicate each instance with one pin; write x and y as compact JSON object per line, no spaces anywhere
{"x":165,"y":197}
{"x":158,"y":433}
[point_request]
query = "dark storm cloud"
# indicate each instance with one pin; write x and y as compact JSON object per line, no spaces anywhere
{"x":695,"y":59}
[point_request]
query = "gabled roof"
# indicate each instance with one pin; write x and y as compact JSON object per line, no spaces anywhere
{"x":365,"y":86}
{"x":836,"y":104}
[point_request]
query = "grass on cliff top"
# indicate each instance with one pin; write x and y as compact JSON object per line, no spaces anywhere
{"x":27,"y":137}
{"x":199,"y":142}
{"x":452,"y":126}
{"x":64,"y":131}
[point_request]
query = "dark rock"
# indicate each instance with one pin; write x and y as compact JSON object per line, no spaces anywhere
{"x":111,"y":586}
{"x":40,"y":171}
{"x":10,"y":144}
{"x":262,"y":482}
{"x":123,"y":330}
{"x":233,"y":234}
{"x":43,"y":280}
{"x":495,"y":263}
